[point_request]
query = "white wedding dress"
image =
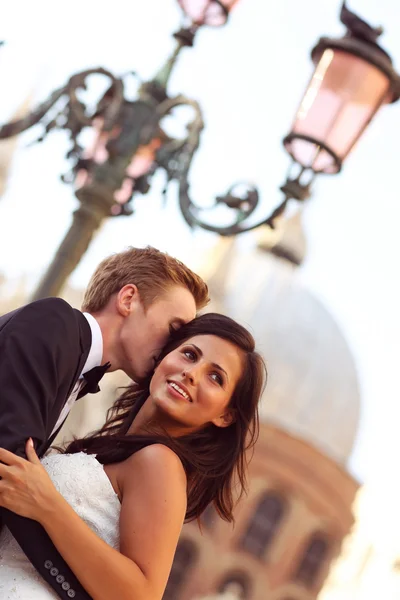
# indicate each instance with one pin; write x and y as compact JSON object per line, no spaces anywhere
{"x":81,"y":479}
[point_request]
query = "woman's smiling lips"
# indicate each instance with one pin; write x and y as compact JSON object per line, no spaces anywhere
{"x":178,"y":389}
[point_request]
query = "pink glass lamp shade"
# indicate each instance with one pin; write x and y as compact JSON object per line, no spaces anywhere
{"x":350,"y":83}
{"x":207,"y":12}
{"x":97,"y":154}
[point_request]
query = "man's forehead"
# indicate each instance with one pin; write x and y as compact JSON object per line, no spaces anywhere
{"x":182,"y":317}
{"x":180,"y":304}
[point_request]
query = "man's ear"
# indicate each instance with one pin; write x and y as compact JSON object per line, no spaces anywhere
{"x":226,"y":419}
{"x":127,"y":297}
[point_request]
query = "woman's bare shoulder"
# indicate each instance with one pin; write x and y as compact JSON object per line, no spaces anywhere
{"x":155,"y":461}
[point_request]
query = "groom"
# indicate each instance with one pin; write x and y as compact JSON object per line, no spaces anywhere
{"x":52,"y":355}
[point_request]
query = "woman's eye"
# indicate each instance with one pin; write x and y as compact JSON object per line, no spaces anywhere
{"x":217,"y":378}
{"x":190,"y":354}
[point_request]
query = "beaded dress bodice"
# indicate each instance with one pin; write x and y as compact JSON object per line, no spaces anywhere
{"x":82,"y":481}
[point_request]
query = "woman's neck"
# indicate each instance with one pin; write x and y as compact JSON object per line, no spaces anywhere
{"x":150,"y":420}
{"x":144,"y":420}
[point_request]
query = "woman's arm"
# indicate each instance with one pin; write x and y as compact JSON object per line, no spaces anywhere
{"x":152,"y":513}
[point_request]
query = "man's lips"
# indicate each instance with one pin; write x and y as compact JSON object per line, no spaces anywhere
{"x":179,"y":389}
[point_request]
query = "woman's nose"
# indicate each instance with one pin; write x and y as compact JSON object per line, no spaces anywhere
{"x":190,"y":375}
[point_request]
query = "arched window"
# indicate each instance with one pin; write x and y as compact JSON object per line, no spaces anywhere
{"x":184,"y":559}
{"x":313,"y":559}
{"x":236,"y":585}
{"x":263,"y":524}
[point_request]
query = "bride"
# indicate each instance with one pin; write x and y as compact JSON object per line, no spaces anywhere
{"x":113,"y":503}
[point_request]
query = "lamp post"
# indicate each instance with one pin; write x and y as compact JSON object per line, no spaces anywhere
{"x":353,"y":78}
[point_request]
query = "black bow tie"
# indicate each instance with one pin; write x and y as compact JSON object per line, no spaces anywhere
{"x":93,"y":377}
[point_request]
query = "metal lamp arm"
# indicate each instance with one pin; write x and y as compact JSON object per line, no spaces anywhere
{"x":16,"y":127}
{"x":176,"y":158}
{"x":76,"y":110}
{"x":175,"y":155}
{"x":191,"y":212}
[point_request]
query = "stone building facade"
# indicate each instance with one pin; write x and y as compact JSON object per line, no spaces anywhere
{"x":288,"y":530}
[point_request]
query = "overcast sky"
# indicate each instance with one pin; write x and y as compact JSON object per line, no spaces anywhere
{"x":249,"y":77}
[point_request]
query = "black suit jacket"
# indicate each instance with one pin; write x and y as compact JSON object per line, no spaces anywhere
{"x":43,"y":348}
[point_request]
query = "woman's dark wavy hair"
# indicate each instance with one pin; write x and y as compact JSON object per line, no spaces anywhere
{"x":214,"y":458}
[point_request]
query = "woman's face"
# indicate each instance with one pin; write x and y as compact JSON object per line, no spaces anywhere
{"x":193,"y":385}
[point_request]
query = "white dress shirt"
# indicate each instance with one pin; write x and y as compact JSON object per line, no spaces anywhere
{"x":93,"y":360}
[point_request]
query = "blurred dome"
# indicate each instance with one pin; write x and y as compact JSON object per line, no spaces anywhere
{"x":312,"y":389}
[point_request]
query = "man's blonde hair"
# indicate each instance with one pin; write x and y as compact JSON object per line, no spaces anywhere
{"x":152,"y":271}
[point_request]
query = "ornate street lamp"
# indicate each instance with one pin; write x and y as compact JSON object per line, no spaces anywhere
{"x":353,"y":78}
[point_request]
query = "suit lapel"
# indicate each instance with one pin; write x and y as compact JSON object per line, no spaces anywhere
{"x":85,"y":340}
{"x":85,"y":345}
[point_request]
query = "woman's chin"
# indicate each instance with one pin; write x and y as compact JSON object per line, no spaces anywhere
{"x":168,"y":407}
